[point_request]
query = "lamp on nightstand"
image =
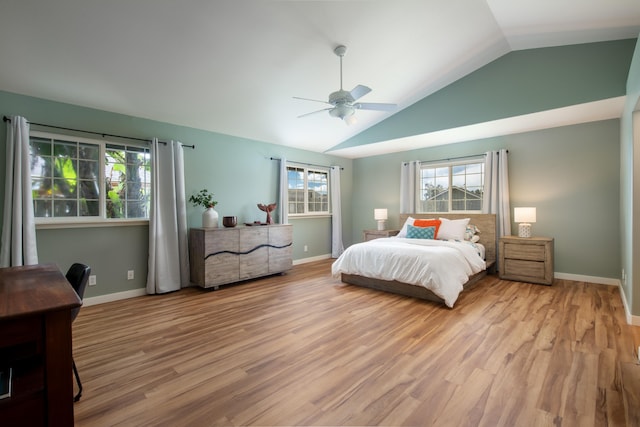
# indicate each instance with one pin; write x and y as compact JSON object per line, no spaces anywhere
{"x":524,"y":217}
{"x":380,"y":215}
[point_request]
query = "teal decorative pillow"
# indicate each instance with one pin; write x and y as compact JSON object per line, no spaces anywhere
{"x":420,"y":232}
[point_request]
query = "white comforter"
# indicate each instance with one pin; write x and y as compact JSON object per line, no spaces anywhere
{"x":440,"y":266}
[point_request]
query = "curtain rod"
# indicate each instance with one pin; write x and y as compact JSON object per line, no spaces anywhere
{"x":306,"y":164}
{"x":451,"y":158}
{"x":7,"y":119}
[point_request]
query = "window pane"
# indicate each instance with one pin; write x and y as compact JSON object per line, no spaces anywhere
{"x":457,"y":187}
{"x":65,"y":149}
{"x":308,"y":190}
{"x":65,"y":208}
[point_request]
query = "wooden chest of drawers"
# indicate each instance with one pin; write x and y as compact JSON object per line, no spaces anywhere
{"x":526,"y":259}
{"x":218,"y":256}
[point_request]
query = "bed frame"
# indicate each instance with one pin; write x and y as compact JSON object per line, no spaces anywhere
{"x":486,"y":223}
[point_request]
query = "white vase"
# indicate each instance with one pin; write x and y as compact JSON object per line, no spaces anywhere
{"x":209,"y":218}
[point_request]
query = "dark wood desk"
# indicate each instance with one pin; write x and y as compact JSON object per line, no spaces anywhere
{"x":35,"y":341}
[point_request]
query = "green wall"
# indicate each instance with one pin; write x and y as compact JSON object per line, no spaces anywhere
{"x":239,"y":171}
{"x":570,"y":174}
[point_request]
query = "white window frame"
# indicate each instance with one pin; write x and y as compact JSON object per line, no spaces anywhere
{"x":450,"y":165}
{"x":84,"y":221}
{"x":307,"y":169}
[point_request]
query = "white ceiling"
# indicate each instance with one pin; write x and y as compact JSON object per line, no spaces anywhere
{"x":234,"y":66}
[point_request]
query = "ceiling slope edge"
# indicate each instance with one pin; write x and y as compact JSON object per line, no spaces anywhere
{"x":606,"y":109}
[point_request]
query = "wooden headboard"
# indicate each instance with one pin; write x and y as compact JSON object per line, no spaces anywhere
{"x":486,"y":223}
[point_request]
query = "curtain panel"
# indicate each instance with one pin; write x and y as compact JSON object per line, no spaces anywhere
{"x":408,"y":180}
{"x":496,"y":190}
{"x":283,"y":190}
{"x":337,"y":247}
{"x":18,"y":244}
{"x":168,"y":243}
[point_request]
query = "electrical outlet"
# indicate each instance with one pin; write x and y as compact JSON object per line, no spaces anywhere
{"x":92,"y":280}
{"x":130,"y":275}
{"x":306,"y":248}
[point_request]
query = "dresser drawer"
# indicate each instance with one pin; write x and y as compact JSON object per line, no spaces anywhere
{"x":527,"y":252}
{"x":523,"y":269}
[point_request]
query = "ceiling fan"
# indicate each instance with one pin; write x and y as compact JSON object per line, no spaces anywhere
{"x":343,"y":104}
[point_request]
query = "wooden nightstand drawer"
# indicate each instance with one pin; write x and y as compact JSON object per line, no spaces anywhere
{"x":522,"y":268}
{"x":528,"y":252}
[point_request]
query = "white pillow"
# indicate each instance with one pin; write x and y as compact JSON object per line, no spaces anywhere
{"x":452,"y":229}
{"x":403,"y":230}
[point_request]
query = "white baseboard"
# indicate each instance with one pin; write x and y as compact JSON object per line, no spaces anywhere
{"x":101,"y":299}
{"x":588,"y":279}
{"x":311,"y":259}
{"x":631,"y":319}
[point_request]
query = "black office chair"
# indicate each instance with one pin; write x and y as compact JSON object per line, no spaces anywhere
{"x":78,"y":276}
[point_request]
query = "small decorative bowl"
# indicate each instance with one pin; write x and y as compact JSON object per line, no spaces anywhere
{"x":229,"y":221}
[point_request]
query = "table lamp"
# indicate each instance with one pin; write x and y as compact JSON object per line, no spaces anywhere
{"x":524,"y":217}
{"x":380,"y":215}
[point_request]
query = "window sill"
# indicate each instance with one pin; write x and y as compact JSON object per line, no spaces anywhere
{"x":91,"y":224}
{"x":305,"y":216}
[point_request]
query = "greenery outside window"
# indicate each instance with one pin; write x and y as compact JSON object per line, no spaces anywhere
{"x":83,"y":180}
{"x":451,"y":187}
{"x":308,"y":191}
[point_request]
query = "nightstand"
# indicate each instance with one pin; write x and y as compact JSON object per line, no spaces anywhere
{"x":376,"y":234}
{"x":526,"y":259}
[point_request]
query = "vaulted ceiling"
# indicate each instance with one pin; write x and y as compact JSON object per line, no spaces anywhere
{"x":233,"y":67}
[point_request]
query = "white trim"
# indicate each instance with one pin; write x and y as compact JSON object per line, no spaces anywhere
{"x":311,"y":259}
{"x":589,"y":279}
{"x":101,"y":299}
{"x":631,"y":319}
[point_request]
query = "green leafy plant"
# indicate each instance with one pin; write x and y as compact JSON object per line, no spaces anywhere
{"x":203,"y":198}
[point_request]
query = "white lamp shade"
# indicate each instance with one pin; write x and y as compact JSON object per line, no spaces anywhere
{"x":527,"y":215}
{"x":380,"y":214}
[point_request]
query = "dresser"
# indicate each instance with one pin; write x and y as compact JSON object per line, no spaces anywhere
{"x":376,"y":234}
{"x":35,"y":346}
{"x":526,"y":259}
{"x":219,"y":256}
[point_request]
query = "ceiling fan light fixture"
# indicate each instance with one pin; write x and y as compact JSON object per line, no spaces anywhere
{"x":341,"y":111}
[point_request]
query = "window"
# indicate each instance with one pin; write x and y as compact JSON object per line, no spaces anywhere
{"x":82,"y":179}
{"x":451,"y":187}
{"x":308,"y":191}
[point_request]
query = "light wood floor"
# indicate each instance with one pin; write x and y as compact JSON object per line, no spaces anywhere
{"x":305,"y":349}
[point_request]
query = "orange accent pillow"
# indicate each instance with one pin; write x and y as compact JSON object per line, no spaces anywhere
{"x":428,"y":223}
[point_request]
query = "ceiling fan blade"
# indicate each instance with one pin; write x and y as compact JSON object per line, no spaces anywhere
{"x":313,"y":100}
{"x":314,"y":112}
{"x":375,"y":106}
{"x":359,"y":91}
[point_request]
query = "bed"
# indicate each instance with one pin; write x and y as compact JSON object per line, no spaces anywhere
{"x":415,"y":267}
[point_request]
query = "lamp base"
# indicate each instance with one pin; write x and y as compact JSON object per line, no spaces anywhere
{"x":524,"y":230}
{"x":381,"y":224}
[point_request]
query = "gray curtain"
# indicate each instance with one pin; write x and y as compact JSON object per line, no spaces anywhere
{"x":283,"y":213}
{"x":408,"y":178}
{"x":18,"y":245}
{"x":168,"y":250}
{"x":337,"y":247}
{"x":496,"y":190}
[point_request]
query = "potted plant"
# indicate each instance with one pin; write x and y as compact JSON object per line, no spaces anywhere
{"x":205,"y":199}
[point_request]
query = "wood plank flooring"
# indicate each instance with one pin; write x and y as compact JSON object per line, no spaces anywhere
{"x":305,"y":349}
